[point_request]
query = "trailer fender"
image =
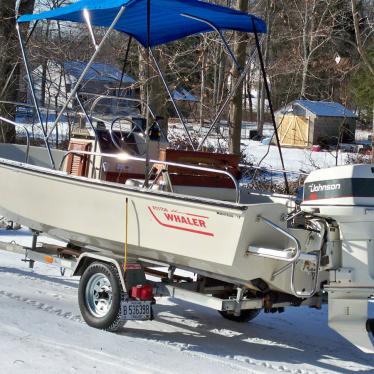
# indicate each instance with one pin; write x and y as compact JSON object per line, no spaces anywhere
{"x":86,"y":259}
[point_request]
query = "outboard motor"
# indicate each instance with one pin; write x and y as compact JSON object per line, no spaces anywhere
{"x":344,"y":195}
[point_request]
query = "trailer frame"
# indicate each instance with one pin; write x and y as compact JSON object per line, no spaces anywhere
{"x":169,"y":285}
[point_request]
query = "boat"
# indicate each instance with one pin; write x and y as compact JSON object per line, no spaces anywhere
{"x":109,"y":198}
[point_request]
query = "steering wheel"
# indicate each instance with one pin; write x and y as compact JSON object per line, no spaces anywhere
{"x":123,"y":138}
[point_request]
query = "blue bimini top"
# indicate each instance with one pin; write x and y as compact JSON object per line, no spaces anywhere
{"x":168,"y":21}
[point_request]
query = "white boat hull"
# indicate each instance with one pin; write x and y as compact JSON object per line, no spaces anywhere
{"x":199,"y":234}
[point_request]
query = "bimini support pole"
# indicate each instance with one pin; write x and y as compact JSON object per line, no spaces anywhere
{"x":236,"y":63}
{"x":32,"y":90}
{"x":148,"y":125}
{"x":88,"y":118}
{"x":86,"y":15}
{"x":160,"y":73}
{"x":228,"y":98}
{"x":88,"y":66}
{"x":266,"y":85}
{"x":219,"y":32}
{"x":124,"y":64}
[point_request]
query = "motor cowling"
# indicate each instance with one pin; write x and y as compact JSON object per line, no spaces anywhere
{"x":348,"y":185}
{"x":344,"y":196}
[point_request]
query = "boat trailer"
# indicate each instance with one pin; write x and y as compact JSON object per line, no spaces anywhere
{"x":198,"y":291}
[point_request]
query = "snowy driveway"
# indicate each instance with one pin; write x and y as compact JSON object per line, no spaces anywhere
{"x":41,"y":331}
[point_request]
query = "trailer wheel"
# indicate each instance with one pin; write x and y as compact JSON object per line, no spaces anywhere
{"x":245,"y":315}
{"x":99,"y":296}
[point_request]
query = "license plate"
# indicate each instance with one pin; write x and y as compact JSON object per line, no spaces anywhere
{"x":136,"y":310}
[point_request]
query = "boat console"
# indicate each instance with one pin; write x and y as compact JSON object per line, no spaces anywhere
{"x":111,"y":142}
{"x":172,"y":178}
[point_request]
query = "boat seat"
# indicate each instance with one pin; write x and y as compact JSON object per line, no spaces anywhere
{"x":180,"y":176}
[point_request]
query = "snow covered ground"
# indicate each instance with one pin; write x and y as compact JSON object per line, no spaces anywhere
{"x":41,"y":331}
{"x":295,"y":159}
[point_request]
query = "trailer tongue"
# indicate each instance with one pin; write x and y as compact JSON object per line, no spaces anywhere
{"x":345,"y":195}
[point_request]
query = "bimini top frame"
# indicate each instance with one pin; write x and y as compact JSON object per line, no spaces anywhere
{"x":151,"y":23}
{"x":166,"y":20}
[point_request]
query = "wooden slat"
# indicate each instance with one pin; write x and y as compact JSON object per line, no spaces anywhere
{"x":76,"y":164}
{"x":190,"y":177}
{"x":294,"y":130}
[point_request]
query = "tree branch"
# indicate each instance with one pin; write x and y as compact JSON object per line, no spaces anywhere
{"x":359,"y":44}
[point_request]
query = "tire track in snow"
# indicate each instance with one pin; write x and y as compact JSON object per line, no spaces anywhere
{"x":231,"y":361}
{"x":114,"y":361}
{"x":256,"y":366}
{"x":40,"y":278}
{"x":235,"y":359}
{"x":88,"y":353}
{"x":44,"y":307}
{"x":118,"y":364}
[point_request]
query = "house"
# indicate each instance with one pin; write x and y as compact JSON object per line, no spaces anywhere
{"x":303,"y":123}
{"x":55,"y":80}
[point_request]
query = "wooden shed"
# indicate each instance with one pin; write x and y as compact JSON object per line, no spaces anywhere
{"x":304,"y":123}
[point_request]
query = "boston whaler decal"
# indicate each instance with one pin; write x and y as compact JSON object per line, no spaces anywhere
{"x":174,"y":219}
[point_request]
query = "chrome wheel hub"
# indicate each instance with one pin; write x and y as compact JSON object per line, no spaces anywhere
{"x":99,"y":295}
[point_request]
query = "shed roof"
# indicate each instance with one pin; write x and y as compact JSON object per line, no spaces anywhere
{"x":326,"y":108}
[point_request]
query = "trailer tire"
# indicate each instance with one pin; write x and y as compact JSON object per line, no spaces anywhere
{"x":245,"y":315}
{"x":99,"y":296}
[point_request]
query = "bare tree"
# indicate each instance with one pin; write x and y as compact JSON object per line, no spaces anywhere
{"x":236,"y":104}
{"x":317,"y":21}
{"x":359,"y":38}
{"x":261,"y":92}
{"x":9,"y":61}
{"x":363,"y":53}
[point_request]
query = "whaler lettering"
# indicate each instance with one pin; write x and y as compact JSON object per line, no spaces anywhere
{"x":186,"y":220}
